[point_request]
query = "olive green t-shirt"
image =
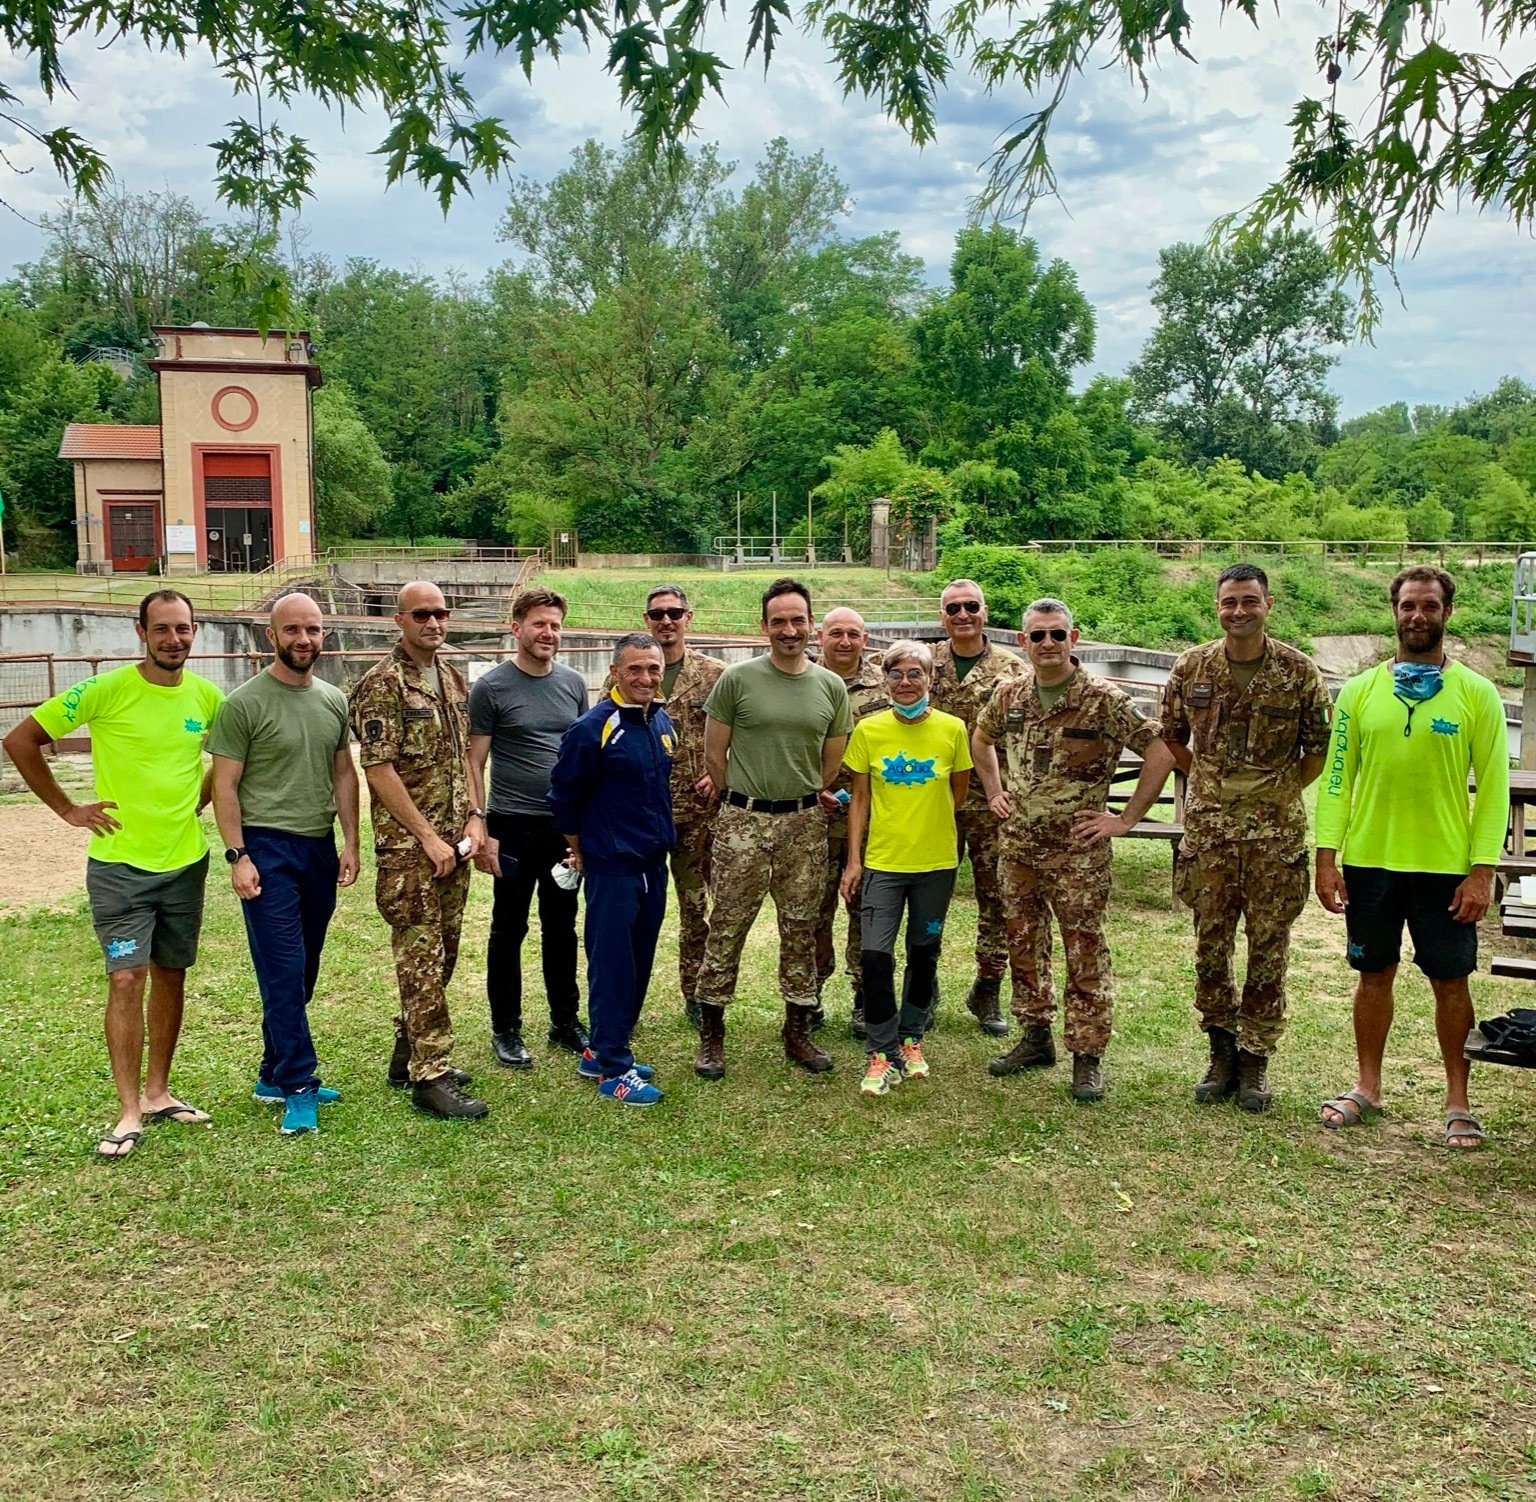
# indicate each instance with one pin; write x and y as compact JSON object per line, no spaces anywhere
{"x":963,"y":665}
{"x":1243,"y":673}
{"x":1050,"y":693}
{"x":778,"y":723}
{"x":669,"y":677}
{"x":287,"y":738}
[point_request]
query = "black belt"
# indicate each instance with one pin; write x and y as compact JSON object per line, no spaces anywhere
{"x":770,"y":805}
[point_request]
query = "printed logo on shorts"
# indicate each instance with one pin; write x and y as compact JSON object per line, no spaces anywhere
{"x":935,"y":927}
{"x":906,"y":771}
{"x":1356,"y":951}
{"x":121,"y":949}
{"x":1445,"y":727}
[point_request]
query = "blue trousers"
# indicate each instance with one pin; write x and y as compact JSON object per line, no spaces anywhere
{"x":286,"y":927}
{"x":624,"y":916}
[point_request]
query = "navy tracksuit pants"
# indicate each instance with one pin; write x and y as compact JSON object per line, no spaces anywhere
{"x":286,"y":927}
{"x":624,"y":914}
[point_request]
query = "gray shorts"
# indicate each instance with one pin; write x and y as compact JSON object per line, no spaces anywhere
{"x":141,"y":916}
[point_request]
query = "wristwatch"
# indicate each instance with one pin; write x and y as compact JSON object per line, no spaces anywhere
{"x":234,"y":855}
{"x":476,"y":813}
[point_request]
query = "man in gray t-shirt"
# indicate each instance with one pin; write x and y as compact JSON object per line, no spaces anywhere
{"x":518,"y":713}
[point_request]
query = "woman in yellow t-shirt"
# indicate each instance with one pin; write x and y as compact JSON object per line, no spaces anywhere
{"x":911,"y":767}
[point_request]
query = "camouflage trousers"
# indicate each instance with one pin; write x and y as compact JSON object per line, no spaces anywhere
{"x":1077,"y":895}
{"x":831,"y":901}
{"x":754,"y":856}
{"x":425,"y":916}
{"x":1265,"y":883}
{"x":978,"y":839}
{"x":690,"y":876}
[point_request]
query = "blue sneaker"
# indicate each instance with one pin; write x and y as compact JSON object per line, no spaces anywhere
{"x":299,"y":1113}
{"x":629,"y":1090}
{"x":270,"y":1095}
{"x":586,"y":1067}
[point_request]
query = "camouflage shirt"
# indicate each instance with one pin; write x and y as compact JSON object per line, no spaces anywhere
{"x":685,"y":708}
{"x":1060,"y":760}
{"x":967,"y":700}
{"x":397,"y":718}
{"x":866,"y":696}
{"x":1248,"y":744}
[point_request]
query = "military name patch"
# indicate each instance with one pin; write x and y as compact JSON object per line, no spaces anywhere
{"x":1201,"y":695}
{"x":415,"y":714}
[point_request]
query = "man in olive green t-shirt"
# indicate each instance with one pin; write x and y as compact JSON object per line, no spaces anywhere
{"x":282,"y":772}
{"x":773,"y":742}
{"x":148,"y":859}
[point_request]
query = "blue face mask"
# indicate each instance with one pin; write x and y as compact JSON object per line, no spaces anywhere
{"x":1417,"y":681}
{"x":911,"y":711}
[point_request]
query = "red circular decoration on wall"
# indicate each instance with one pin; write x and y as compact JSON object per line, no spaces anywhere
{"x":217,"y":407}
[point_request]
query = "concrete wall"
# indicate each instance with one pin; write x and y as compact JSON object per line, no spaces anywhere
{"x":644,"y":560}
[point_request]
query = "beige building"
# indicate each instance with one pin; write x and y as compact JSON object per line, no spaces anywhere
{"x":226,"y":481}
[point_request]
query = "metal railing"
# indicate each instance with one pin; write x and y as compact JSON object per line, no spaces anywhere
{"x":764,"y":549}
{"x":1356,"y":551}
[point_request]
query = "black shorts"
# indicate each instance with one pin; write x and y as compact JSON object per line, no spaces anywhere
{"x":1380,"y":902}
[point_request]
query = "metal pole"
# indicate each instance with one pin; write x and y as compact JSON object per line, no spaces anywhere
{"x":774,"y":552}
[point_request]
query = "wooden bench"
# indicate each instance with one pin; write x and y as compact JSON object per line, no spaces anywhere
{"x":1513,"y":967}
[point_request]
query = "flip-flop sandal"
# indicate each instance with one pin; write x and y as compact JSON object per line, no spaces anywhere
{"x":1464,"y":1124}
{"x":180,"y":1113}
{"x":1352,"y":1107}
{"x":117,"y":1139}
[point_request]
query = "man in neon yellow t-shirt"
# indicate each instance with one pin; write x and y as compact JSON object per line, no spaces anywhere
{"x":148,"y":856}
{"x":1393,"y":804}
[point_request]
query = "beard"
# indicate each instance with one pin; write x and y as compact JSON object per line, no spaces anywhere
{"x":1420,"y":638}
{"x":291,"y":660}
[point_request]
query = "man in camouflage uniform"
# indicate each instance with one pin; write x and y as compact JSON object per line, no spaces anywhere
{"x":409,"y":713}
{"x":773,"y":744}
{"x":1250,"y":715}
{"x":843,"y":640}
{"x":967,"y":670}
{"x":1060,"y":730}
{"x":687,"y":677}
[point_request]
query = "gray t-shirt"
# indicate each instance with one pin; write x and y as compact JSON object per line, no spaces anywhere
{"x":287,"y":737}
{"x":525,"y":718}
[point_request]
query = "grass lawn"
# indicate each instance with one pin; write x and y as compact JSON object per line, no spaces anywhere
{"x":766,"y":1287}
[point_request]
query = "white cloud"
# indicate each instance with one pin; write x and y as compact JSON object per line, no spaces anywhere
{"x":1136,"y":174}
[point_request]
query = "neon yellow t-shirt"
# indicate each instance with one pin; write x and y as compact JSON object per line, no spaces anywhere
{"x":147,"y":754}
{"x":911,"y":812}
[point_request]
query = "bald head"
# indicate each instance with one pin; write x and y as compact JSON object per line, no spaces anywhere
{"x":422,"y":615}
{"x":843,"y":639}
{"x":418,"y":594}
{"x":297,"y":634}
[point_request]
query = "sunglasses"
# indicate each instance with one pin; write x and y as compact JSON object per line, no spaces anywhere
{"x":667,"y":613}
{"x":421,"y":617}
{"x":908,"y":675}
{"x":970,"y":607}
{"x":1055,"y":633}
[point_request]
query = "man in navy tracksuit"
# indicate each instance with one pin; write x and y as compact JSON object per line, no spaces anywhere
{"x":611,"y":797}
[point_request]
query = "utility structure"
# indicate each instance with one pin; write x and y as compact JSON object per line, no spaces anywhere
{"x":225,"y":481}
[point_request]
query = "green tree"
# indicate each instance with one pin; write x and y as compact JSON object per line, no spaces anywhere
{"x":1504,"y":510}
{"x":1239,"y":360}
{"x":1430,"y":519}
{"x":353,"y":486}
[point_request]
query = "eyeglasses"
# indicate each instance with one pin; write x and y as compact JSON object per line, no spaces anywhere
{"x":421,"y":617}
{"x":1055,"y":633}
{"x":970,"y":607}
{"x":667,"y":613}
{"x":909,"y":675}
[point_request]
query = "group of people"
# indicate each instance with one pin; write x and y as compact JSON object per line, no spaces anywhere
{"x":858,"y":781}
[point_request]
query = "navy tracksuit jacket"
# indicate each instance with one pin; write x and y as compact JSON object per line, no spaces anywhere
{"x":612,"y":788}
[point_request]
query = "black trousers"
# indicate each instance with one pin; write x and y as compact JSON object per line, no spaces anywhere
{"x":530,"y":847}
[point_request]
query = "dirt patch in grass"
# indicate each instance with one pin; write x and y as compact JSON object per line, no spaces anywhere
{"x":42,"y":859}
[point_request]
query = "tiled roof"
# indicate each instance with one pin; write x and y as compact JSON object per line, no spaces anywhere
{"x":102,"y":440}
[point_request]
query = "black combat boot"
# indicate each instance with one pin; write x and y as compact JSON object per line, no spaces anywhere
{"x":798,"y":1045}
{"x":1220,"y":1080}
{"x":710,"y":1063}
{"x":400,"y":1068}
{"x":1253,"y":1081}
{"x":442,"y":1097}
{"x":1035,"y":1050}
{"x":985,"y":1005}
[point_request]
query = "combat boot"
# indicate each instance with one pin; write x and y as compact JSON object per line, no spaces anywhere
{"x":1035,"y":1050}
{"x":1220,"y":1079}
{"x":442,"y":1097}
{"x":856,"y":1018}
{"x":691,"y":1012}
{"x":399,"y":1076}
{"x":1087,"y":1077}
{"x":1253,"y":1081}
{"x":710,"y":1063}
{"x":985,"y":1005}
{"x":818,"y":1017}
{"x":798,"y":1045}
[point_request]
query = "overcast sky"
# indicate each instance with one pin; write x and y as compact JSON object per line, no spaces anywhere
{"x":1136,"y":174}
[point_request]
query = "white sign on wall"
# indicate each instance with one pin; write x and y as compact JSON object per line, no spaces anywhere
{"x":180,"y":539}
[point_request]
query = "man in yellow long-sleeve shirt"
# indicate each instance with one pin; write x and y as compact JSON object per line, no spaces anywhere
{"x":1393,"y":804}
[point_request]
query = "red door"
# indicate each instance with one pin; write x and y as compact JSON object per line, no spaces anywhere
{"x":133,"y":535}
